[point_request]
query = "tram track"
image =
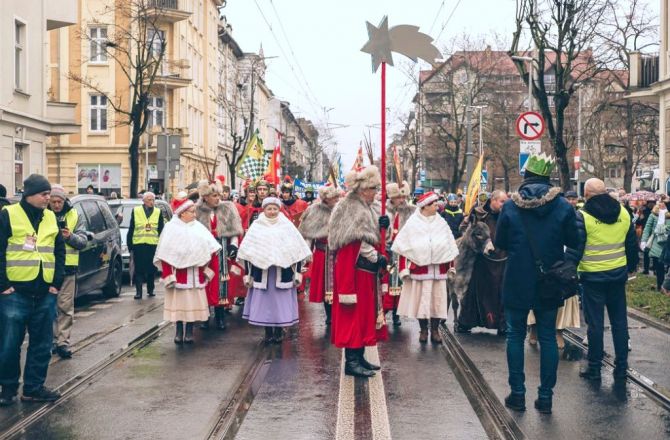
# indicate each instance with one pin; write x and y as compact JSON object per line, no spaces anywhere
{"x":495,"y":419}
{"x":230,"y":414}
{"x":82,"y":380}
{"x":657,"y":393}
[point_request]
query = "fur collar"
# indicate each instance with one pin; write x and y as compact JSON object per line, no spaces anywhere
{"x":314,"y":224}
{"x":228,"y":222}
{"x":352,"y":220}
{"x":405,"y":211}
{"x":536,"y":203}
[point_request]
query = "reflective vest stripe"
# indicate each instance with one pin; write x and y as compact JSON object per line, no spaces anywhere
{"x":71,"y":254}
{"x":604,"y":247}
{"x":605,"y":243}
{"x":24,"y":265}
{"x":140,"y":233}
{"x":604,"y":257}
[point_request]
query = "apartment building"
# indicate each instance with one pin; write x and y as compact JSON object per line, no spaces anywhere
{"x":29,"y":110}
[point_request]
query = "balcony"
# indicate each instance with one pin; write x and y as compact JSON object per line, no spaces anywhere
{"x":61,"y":117}
{"x":644,"y":77}
{"x":174,"y":74}
{"x":166,"y":11}
{"x":61,"y":13}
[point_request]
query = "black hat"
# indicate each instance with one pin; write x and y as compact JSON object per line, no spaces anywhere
{"x":35,"y":184}
{"x":570,"y":194}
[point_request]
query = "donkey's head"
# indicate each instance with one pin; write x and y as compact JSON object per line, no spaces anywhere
{"x":478,"y":237}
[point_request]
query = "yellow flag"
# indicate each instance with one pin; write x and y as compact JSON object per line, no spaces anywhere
{"x":473,"y":187}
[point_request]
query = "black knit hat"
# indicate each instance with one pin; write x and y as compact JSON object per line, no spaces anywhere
{"x":35,"y":184}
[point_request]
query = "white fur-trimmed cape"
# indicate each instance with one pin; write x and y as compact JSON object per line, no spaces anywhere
{"x":314,"y":223}
{"x":352,"y":220}
{"x":426,"y":241}
{"x":273,"y":244}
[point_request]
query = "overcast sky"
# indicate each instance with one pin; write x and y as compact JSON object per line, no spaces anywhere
{"x":324,"y":42}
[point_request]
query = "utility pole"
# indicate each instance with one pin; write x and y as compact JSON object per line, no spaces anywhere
{"x":469,"y":159}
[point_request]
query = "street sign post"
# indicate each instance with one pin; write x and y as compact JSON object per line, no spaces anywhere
{"x":530,"y":126}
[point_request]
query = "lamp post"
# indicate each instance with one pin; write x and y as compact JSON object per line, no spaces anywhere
{"x":530,"y":78}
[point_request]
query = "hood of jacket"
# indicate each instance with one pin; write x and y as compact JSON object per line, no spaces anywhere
{"x":536,"y":194}
{"x":604,"y":208}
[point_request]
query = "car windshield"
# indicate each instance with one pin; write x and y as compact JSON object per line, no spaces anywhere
{"x":125,"y":210}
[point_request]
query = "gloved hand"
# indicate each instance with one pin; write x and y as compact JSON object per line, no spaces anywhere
{"x":643,"y":246}
{"x":382,"y":262}
{"x":232,"y":251}
{"x":384,"y":221}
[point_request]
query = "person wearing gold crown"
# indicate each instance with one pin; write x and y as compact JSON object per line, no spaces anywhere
{"x":536,"y":224}
{"x":223,"y":221}
{"x":426,"y":246}
{"x":354,"y":236}
{"x":399,"y":212}
{"x":314,"y":227}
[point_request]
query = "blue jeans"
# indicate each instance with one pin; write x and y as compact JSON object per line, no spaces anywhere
{"x":546,"y":335}
{"x":19,"y":312}
{"x":612,"y":295}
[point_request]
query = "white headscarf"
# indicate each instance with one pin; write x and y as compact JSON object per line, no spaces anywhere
{"x":183,"y":245}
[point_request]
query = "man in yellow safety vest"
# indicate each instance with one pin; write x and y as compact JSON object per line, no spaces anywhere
{"x":75,"y":238}
{"x":607,"y":253}
{"x":146,"y":224}
{"x":32,"y":265}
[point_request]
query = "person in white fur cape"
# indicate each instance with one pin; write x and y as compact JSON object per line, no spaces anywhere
{"x":273,"y":252}
{"x":426,"y":247}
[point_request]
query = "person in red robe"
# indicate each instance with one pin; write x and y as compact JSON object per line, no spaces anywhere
{"x":223,"y":220}
{"x":398,"y":211}
{"x":314,"y":227}
{"x":354,"y":236}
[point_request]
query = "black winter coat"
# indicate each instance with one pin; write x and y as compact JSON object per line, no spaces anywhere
{"x":454,"y":218}
{"x":551,"y":221}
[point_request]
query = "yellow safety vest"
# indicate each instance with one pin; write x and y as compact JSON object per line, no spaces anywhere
{"x":146,"y":230}
{"x":24,"y":265}
{"x":71,"y":254}
{"x":605,"y":244}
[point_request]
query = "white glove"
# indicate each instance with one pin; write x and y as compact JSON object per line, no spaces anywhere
{"x":643,"y":246}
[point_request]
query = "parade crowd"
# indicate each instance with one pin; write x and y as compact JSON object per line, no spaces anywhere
{"x":262,"y":251}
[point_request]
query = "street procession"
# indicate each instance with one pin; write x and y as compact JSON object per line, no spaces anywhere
{"x":274,"y":219}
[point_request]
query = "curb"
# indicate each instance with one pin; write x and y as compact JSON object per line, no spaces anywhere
{"x":650,"y":321}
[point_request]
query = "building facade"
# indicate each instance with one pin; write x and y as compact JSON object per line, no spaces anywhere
{"x":30,"y":109}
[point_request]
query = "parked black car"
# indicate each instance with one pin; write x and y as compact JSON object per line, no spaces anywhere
{"x":122,"y":210}
{"x":100,"y":264}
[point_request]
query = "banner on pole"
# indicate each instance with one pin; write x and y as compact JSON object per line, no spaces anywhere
{"x":473,"y":187}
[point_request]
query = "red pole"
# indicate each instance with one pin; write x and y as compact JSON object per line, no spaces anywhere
{"x":383,"y":141}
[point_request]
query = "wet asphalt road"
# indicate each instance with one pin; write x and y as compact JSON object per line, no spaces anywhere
{"x":165,"y":391}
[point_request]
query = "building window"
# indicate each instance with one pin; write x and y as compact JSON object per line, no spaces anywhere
{"x":157,"y":109}
{"x":19,"y":150}
{"x":613,"y":172}
{"x":157,"y":45}
{"x":98,"y":43}
{"x":19,"y":55}
{"x":98,"y":113}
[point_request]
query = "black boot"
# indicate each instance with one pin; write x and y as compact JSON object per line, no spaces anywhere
{"x":269,"y":335}
{"x":517,"y":402}
{"x":435,"y":337}
{"x":329,"y":309}
{"x":423,"y":333}
{"x":150,"y":285}
{"x":278,"y":335}
{"x":138,"y":287}
{"x":188,"y":333}
{"x":352,"y":365}
{"x":396,"y":318}
{"x":590,"y":373}
{"x":179,"y":334}
{"x":365,"y":364}
{"x":220,"y":317}
{"x":204,"y":325}
{"x":543,"y":405}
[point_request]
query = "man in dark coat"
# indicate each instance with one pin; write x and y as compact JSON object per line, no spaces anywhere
{"x":641,"y":222}
{"x":481,"y":305}
{"x":453,"y":214}
{"x":539,"y":210}
{"x":3,"y":197}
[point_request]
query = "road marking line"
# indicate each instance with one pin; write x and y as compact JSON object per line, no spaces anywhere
{"x":83,"y":314}
{"x":344,"y":429}
{"x":381,"y":428}
{"x":100,"y":306}
{"x":115,"y":300}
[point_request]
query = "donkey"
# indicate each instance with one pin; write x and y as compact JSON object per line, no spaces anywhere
{"x":475,"y":241}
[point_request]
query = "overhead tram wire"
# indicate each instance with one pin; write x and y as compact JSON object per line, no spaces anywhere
{"x":444,"y":26}
{"x":281,"y":48}
{"x":437,"y":15}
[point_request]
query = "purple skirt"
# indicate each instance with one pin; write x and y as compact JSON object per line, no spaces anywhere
{"x":271,"y":307}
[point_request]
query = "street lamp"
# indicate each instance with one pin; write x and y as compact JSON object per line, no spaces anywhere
{"x":530,"y":78}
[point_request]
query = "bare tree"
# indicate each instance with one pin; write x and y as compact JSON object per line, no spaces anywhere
{"x":564,"y":34}
{"x":137,"y":46}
